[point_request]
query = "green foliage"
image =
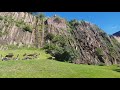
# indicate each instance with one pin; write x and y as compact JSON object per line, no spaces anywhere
{"x":18,"y":25}
{"x":57,"y":19}
{"x":105,"y":38}
{"x":0,"y":33}
{"x":40,"y":16}
{"x":116,"y":43}
{"x":12,"y":47}
{"x":60,"y":49}
{"x":1,"y":18}
{"x":49,"y":36}
{"x":74,"y":22}
{"x":27,"y":28}
{"x":60,"y":40}
{"x":99,"y":52}
{"x":112,"y":51}
{"x":21,"y":24}
{"x":3,"y":33}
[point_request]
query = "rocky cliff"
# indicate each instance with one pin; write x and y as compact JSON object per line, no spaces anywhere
{"x":11,"y":28}
{"x":19,"y":28}
{"x":92,"y":45}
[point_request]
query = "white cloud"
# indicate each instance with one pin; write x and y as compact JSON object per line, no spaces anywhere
{"x":115,"y":27}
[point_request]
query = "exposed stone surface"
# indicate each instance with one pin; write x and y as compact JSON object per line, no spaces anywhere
{"x":14,"y":34}
{"x":86,"y":38}
{"x":89,"y":39}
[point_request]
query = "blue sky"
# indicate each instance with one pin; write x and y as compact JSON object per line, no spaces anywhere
{"x":108,"y":21}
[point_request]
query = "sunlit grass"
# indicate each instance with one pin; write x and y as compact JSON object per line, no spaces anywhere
{"x":45,"y":68}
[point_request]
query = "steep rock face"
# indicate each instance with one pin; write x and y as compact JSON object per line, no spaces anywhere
{"x":94,"y":45}
{"x":12,"y":30}
{"x":56,"y":26}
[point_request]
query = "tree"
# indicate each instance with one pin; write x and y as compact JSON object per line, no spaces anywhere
{"x":73,"y":22}
{"x":40,"y":16}
{"x":57,"y":19}
{"x":49,"y":36}
{"x":60,"y":50}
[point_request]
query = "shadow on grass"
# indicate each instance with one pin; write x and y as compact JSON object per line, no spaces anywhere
{"x":117,"y":70}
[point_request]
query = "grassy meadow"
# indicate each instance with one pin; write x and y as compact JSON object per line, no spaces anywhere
{"x":46,"y":68}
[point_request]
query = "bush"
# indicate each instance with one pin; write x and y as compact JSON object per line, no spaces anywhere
{"x":57,"y":19}
{"x":0,"y":33}
{"x":41,"y":16}
{"x":20,"y":24}
{"x":60,"y":40}
{"x":3,"y":33}
{"x":1,"y":18}
{"x":49,"y":36}
{"x":99,"y":52}
{"x":59,"y":49}
{"x":74,"y":22}
{"x":27,"y":28}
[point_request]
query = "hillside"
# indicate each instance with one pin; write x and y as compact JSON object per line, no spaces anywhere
{"x":78,"y":42}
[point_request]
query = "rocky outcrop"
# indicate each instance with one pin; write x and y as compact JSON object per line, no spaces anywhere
{"x":92,"y":45}
{"x":11,"y":28}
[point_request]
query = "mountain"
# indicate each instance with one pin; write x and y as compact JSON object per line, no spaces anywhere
{"x":87,"y":42}
{"x":117,"y":36}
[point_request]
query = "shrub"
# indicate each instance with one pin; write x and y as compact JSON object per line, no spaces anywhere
{"x":27,"y":28}
{"x":41,"y":16}
{"x":1,"y":18}
{"x":74,"y":22}
{"x":3,"y":33}
{"x":59,"y":49}
{"x":49,"y":36}
{"x":57,"y":19}
{"x":99,"y":52}
{"x":60,"y":40}
{"x":20,"y":24}
{"x":0,"y":33}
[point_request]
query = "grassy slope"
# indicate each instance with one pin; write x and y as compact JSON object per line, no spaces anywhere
{"x":44,"y":68}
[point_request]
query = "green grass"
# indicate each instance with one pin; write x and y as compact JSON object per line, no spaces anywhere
{"x":45,"y":68}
